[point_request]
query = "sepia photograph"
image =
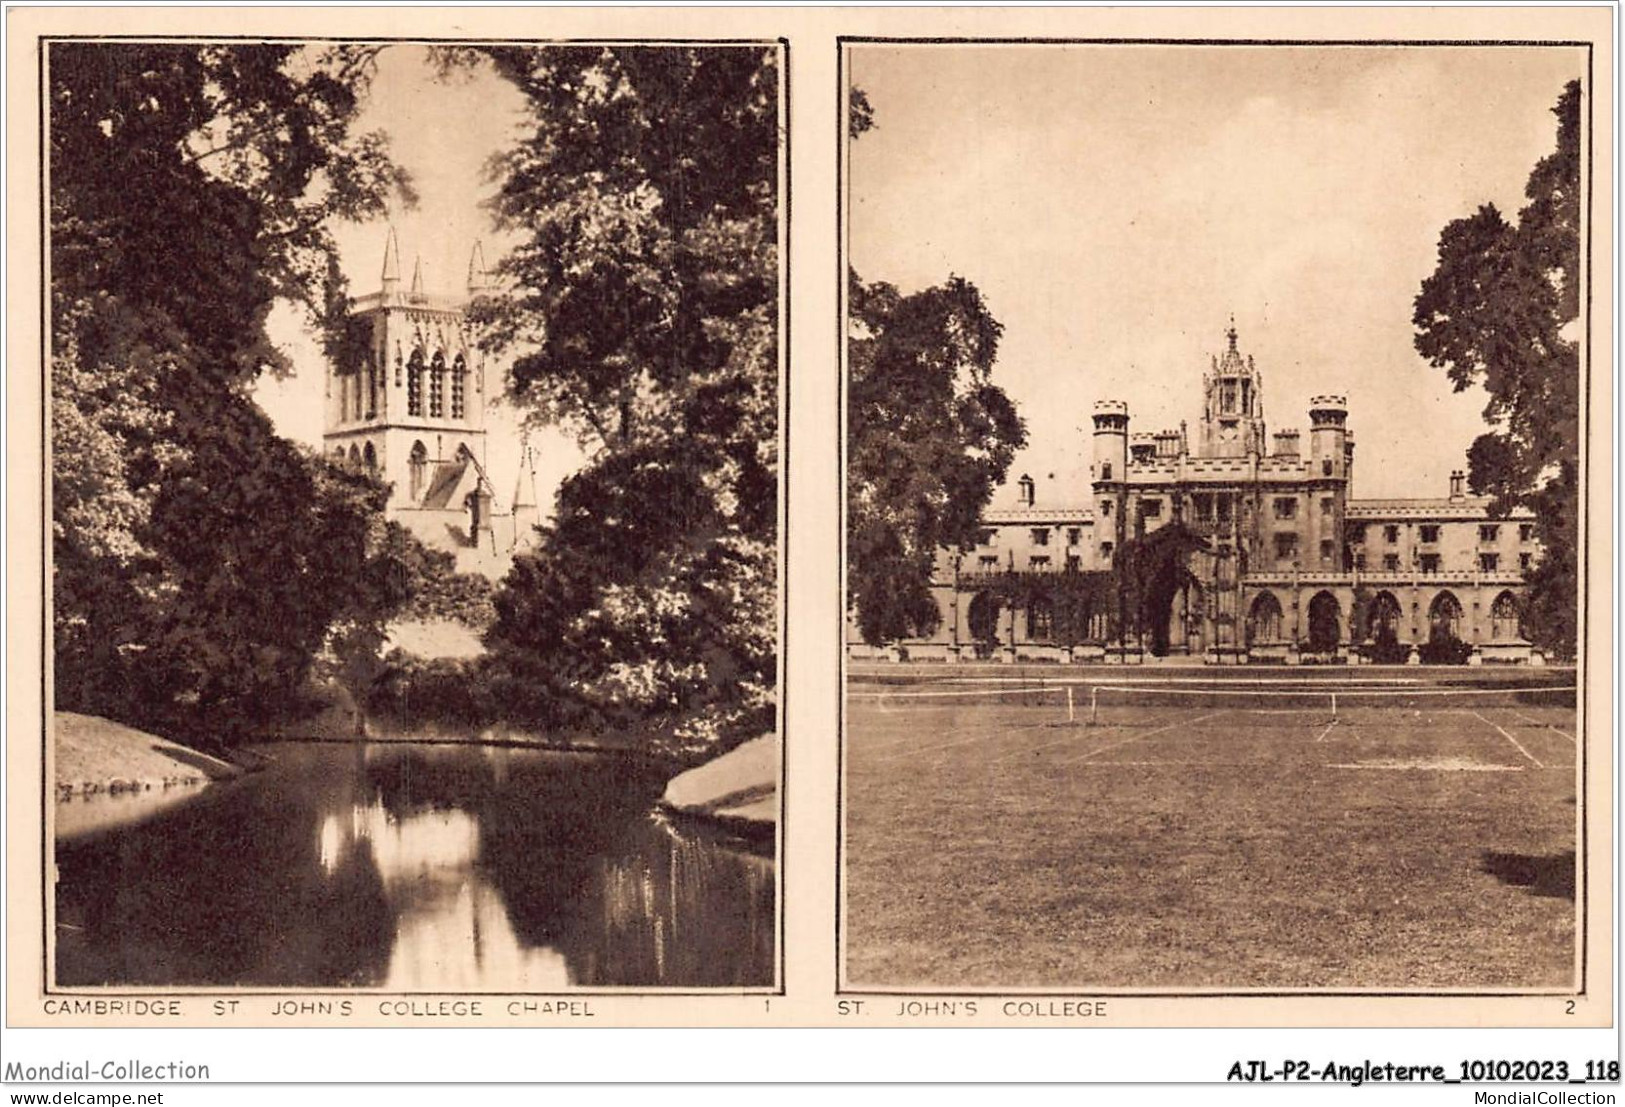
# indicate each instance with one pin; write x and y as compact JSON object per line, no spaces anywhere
{"x":1215,"y":487}
{"x":413,"y":498}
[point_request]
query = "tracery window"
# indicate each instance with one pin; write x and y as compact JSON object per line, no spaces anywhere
{"x":459,"y":387}
{"x":414,"y":384}
{"x":437,"y":387}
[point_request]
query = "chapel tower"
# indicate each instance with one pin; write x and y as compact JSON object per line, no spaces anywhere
{"x":406,"y":396}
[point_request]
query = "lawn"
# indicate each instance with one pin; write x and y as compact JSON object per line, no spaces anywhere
{"x":1183,"y":842}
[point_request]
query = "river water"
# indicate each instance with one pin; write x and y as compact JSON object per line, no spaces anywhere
{"x":409,"y":867}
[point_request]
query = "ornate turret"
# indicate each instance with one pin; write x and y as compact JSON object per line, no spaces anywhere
{"x":1232,"y":404}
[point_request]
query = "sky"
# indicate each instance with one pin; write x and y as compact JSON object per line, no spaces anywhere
{"x":443,"y":132}
{"x":1116,"y":204}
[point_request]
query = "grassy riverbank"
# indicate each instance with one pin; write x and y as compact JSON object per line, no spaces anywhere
{"x":96,"y":755}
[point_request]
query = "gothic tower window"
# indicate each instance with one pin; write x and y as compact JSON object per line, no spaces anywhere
{"x":372,"y":388}
{"x":417,"y":464}
{"x":437,"y":387}
{"x":414,"y":384}
{"x":459,"y":387}
{"x":369,"y":458}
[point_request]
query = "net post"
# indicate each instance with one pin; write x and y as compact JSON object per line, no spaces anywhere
{"x":1094,"y":705}
{"x":1334,"y":707}
{"x":1070,"y":716}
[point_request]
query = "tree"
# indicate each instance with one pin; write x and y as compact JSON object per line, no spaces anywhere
{"x":929,"y":437}
{"x":1499,"y":311}
{"x":199,"y":558}
{"x":642,"y":313}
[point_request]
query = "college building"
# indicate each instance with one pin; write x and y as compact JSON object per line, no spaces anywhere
{"x":1284,"y":564}
{"x":406,"y":399}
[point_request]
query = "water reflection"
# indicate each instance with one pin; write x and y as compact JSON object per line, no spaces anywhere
{"x":416,"y":868}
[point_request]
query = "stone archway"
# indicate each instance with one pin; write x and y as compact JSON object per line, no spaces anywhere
{"x":1505,"y":619}
{"x":1383,"y":616}
{"x":1264,"y":619}
{"x":983,"y":618}
{"x":1444,"y":618}
{"x":1325,"y":623}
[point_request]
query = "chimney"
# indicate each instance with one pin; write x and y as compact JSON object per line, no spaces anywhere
{"x":1458,"y":479}
{"x":1027,"y":489}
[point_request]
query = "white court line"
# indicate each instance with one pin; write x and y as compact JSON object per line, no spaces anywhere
{"x":935,"y":695}
{"x":961,"y":742}
{"x":1147,"y":734}
{"x":1548,"y":726}
{"x":1327,"y":731}
{"x":1073,"y":740}
{"x":1513,"y":740}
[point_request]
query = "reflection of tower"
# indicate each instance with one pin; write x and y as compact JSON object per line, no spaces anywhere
{"x":1232,"y":404}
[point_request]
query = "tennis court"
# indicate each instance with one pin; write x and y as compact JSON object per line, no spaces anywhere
{"x":1394,"y":832}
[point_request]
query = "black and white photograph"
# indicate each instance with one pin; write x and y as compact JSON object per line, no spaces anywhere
{"x":413,"y":562}
{"x":1215,"y":539}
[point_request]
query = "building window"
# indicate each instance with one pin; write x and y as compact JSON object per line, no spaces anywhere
{"x":1326,"y":550}
{"x":1390,"y":563}
{"x":1430,"y":532}
{"x":1326,"y":506}
{"x":1326,"y":467}
{"x":1204,"y":508}
{"x":1074,"y":563}
{"x":1105,"y":470}
{"x":1074,"y":536}
{"x":1286,"y":508}
{"x":1526,"y":532}
{"x":1106,"y":551}
{"x":459,"y":387}
{"x":1038,"y":564}
{"x":1504,"y":619}
{"x":1488,"y":562}
{"x":1027,"y":490}
{"x":1489,"y":532}
{"x":1223,"y":504}
{"x":1390,"y":534}
{"x":987,"y":537}
{"x":1286,"y":546}
{"x":1106,"y":508}
{"x":1040,"y":536}
{"x":417,"y":464}
{"x":1151,"y":509}
{"x":988,"y":563}
{"x":414,"y":384}
{"x":437,"y":387}
{"x":1524,"y":562}
{"x":1430,"y":563}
